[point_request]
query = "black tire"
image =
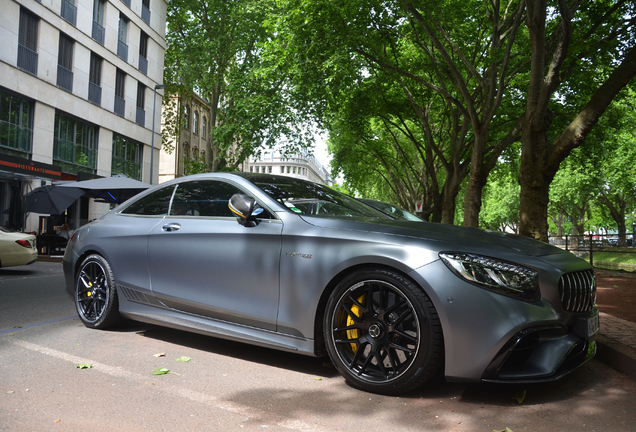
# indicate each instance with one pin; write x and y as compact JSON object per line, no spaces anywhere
{"x":95,"y":294}
{"x":383,"y":333}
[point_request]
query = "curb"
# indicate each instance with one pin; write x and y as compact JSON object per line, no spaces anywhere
{"x":616,"y":356}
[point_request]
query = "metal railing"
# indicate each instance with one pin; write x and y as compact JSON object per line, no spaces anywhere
{"x":143,"y":65}
{"x":98,"y":33}
{"x":15,"y":137}
{"x":141,"y":117}
{"x":120,"y":106}
{"x":64,"y":78}
{"x":75,"y":154}
{"x":145,"y":14}
{"x":94,"y":93}
{"x":27,"y":59}
{"x":122,"y":50}
{"x":593,"y":247}
{"x":69,"y":11}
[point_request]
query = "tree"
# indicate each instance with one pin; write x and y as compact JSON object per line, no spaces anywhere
{"x":452,"y":73}
{"x":584,"y":65}
{"x":215,"y":47}
{"x":617,"y":175}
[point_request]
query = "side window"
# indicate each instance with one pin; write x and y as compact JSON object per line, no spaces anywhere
{"x":155,"y":204}
{"x":203,"y":198}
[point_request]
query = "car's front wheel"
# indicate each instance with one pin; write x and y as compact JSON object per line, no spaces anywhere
{"x":383,"y":333}
{"x":95,"y":294}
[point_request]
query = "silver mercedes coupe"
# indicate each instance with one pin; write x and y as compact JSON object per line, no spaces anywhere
{"x":293,"y":265}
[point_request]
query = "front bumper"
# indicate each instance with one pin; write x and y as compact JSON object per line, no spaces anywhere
{"x":539,"y":355}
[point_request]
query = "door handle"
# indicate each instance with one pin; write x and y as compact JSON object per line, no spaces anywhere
{"x":171,"y":227}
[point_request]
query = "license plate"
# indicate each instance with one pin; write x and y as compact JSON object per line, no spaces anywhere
{"x":593,"y":325}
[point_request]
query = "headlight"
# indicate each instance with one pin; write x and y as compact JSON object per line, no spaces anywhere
{"x":503,"y":277}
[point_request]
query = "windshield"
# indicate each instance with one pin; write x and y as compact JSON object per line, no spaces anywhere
{"x":307,"y":198}
{"x":392,"y":210}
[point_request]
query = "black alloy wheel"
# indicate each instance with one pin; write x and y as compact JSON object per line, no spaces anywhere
{"x":383,"y":333}
{"x":95,"y":294}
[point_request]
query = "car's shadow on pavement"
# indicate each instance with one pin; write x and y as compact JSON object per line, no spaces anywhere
{"x":15,"y":272}
{"x":286,"y":360}
{"x":438,"y":388}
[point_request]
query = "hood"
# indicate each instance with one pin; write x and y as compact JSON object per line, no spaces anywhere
{"x":443,"y":237}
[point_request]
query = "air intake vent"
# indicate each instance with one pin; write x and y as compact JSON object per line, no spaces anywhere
{"x":578,"y":291}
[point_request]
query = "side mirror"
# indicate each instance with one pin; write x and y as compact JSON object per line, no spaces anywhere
{"x":243,"y":207}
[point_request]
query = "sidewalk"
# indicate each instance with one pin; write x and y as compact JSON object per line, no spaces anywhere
{"x":616,"y":338}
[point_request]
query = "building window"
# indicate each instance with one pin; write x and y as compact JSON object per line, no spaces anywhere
{"x":95,"y":79}
{"x":98,"y":21}
{"x":269,"y":169}
{"x":65,"y":63}
{"x":69,"y":11}
{"x":204,"y":126}
{"x":145,"y":11}
{"x":195,"y":123}
{"x":282,"y":170}
{"x":141,"y":104}
{"x":288,"y":169}
{"x":186,"y":151}
{"x":16,"y":120}
{"x":122,"y":48}
{"x":186,"y":117}
{"x":126,"y":157}
{"x":28,"y":42}
{"x":120,"y":85}
{"x":74,"y":144}
{"x":143,"y":53}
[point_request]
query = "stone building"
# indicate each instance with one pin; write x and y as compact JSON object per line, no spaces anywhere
{"x":77,"y":81}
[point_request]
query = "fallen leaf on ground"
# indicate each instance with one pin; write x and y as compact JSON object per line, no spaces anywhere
{"x":520,"y":397}
{"x":57,"y":421}
{"x":10,"y":391}
{"x":17,"y":326}
{"x":318,"y":379}
{"x":159,"y":355}
{"x":163,"y":371}
{"x":505,"y":430}
{"x":84,"y":366}
{"x":183,"y":359}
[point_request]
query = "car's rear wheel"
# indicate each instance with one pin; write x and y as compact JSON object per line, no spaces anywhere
{"x":383,"y":333}
{"x":95,"y":294}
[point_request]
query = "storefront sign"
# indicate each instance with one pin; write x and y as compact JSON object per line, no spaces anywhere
{"x":25,"y":166}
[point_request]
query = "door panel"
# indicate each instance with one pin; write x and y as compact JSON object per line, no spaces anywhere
{"x":212,"y":266}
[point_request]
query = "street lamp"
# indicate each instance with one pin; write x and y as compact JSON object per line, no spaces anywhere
{"x":152,"y":139}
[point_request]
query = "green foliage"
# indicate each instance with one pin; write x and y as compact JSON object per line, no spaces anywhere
{"x":194,"y":166}
{"x":217,"y":48}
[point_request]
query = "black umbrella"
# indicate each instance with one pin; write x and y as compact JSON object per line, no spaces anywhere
{"x":51,"y":199}
{"x":116,"y":189}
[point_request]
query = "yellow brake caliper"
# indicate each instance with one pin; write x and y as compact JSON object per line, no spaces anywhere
{"x":355,"y":333}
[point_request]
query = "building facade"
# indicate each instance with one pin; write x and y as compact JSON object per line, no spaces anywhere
{"x":193,"y":133}
{"x":303,"y":165}
{"x":77,"y":82}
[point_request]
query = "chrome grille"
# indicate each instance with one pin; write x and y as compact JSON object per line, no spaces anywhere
{"x":578,"y":291}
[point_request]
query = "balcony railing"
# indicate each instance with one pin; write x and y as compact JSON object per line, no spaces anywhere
{"x":120,"y":106}
{"x":27,"y":59}
{"x":64,"y":78}
{"x":122,"y":50}
{"x":15,"y":137}
{"x":145,"y":14}
{"x":94,"y":93}
{"x":75,"y":154}
{"x":143,"y":65}
{"x":98,"y":33}
{"x":69,"y":11}
{"x":141,"y":117}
